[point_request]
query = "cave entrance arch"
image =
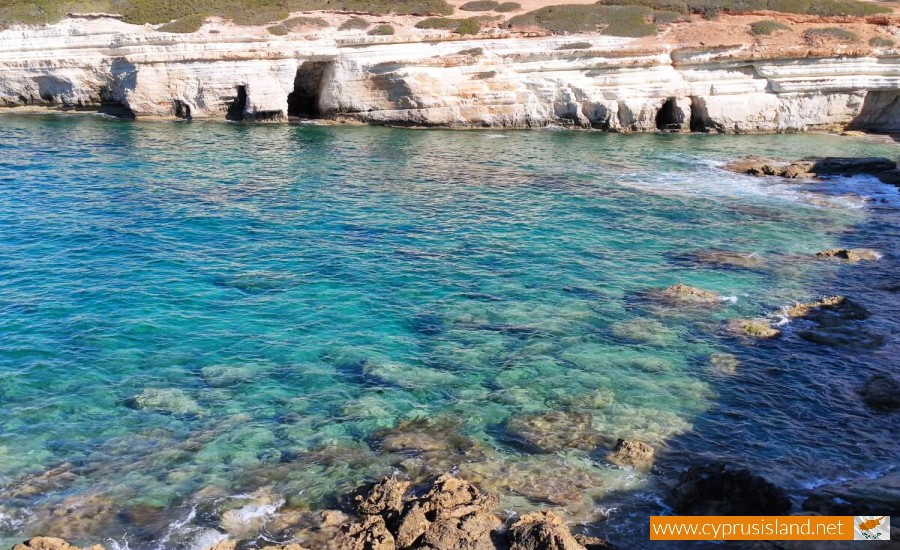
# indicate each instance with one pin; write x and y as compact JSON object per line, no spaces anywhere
{"x":303,"y":101}
{"x":669,"y":117}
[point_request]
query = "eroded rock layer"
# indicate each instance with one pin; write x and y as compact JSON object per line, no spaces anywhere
{"x":616,"y":84}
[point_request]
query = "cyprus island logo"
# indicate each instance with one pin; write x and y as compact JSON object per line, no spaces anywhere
{"x":872,"y":528}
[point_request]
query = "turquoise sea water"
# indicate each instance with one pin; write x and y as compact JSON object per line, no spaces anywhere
{"x":191,"y":312}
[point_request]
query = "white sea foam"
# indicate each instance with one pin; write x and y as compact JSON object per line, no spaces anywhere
{"x":254,"y":511}
{"x":175,"y":526}
{"x":207,"y":538}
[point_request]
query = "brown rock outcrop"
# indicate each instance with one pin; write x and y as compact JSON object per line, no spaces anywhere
{"x":541,"y":531}
{"x":50,"y":543}
{"x":851,"y":255}
{"x":634,"y":454}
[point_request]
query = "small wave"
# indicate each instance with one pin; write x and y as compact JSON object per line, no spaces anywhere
{"x":816,"y":483}
{"x":730,"y":299}
{"x":494,"y":136}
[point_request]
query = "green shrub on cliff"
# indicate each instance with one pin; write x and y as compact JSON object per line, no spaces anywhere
{"x":881,"y":42}
{"x":444,"y":23}
{"x":709,"y":8}
{"x":278,"y":30}
{"x":382,"y":30}
{"x":468,"y":26}
{"x":508,"y":7}
{"x":836,"y":33}
{"x":299,"y":22}
{"x":189,"y":24}
{"x":618,"y":20}
{"x":767,"y":27}
{"x":480,"y":5}
{"x":242,"y":12}
{"x":354,"y":23}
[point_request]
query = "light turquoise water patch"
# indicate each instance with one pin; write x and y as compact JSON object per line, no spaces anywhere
{"x":195,"y":306}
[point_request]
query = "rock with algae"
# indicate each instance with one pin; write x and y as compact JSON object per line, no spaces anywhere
{"x":165,"y":400}
{"x":756,"y":328}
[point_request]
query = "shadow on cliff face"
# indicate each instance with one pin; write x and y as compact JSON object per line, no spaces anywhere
{"x":880,"y":113}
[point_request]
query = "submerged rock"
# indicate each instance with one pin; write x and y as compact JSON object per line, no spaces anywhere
{"x":554,"y":431}
{"x":76,"y":517}
{"x":725,"y":259}
{"x":165,"y":400}
{"x":724,"y":363}
{"x":851,"y":255}
{"x":649,"y":331}
{"x":633,"y":454}
{"x":424,"y":435}
{"x":882,"y":393}
{"x":220,"y":376}
{"x":536,"y":478}
{"x":757,"y":328}
{"x":720,"y":490}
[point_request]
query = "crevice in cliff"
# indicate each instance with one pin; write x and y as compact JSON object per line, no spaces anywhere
{"x":303,"y":101}
{"x":182,"y":109}
{"x":238,"y":106}
{"x":699,"y":115}
{"x":880,"y":112}
{"x":669,"y":118}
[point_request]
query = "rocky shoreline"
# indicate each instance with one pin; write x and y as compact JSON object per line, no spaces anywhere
{"x":449,"y":513}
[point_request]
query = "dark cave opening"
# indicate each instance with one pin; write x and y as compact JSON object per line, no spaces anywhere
{"x":238,"y":106}
{"x":669,"y":116}
{"x":182,"y":109}
{"x":698,"y":115}
{"x":303,"y":102}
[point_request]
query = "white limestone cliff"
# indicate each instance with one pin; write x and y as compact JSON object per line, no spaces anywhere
{"x":504,"y":82}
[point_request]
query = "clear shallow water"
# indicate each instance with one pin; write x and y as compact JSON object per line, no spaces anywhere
{"x":289,"y":291}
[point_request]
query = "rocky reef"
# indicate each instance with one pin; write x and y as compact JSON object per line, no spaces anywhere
{"x":613,"y":84}
{"x":813,"y":168}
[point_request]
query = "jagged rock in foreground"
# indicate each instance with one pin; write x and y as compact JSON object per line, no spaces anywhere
{"x":51,"y":543}
{"x":446,"y":513}
{"x":812,"y":168}
{"x":720,"y":490}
